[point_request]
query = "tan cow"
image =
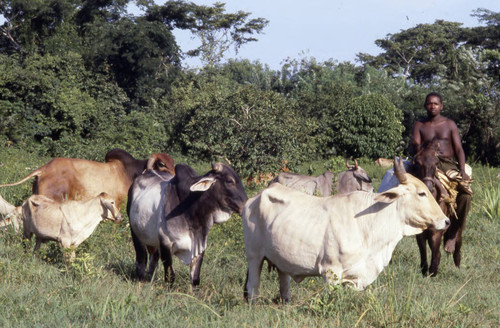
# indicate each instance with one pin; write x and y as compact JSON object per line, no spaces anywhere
{"x":383,"y":162}
{"x":70,"y":223}
{"x":344,"y":238}
{"x":78,"y":179}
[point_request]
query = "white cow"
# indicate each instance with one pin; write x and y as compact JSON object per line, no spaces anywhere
{"x":344,"y":238}
{"x":320,"y":185}
{"x":9,"y":214}
{"x":70,"y":223}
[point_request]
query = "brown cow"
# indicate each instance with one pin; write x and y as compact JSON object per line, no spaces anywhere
{"x":73,"y":178}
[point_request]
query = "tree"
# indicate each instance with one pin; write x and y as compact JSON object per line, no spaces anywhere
{"x":216,"y":30}
{"x":486,"y":38}
{"x":419,"y":52}
{"x":29,"y":23}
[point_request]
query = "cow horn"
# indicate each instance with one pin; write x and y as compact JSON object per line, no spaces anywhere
{"x":399,"y":170}
{"x":217,"y":167}
{"x":151,"y":161}
{"x":347,"y":163}
{"x":356,"y":164}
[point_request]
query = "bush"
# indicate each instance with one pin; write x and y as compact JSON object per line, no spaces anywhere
{"x":369,"y":126}
{"x":254,"y":130}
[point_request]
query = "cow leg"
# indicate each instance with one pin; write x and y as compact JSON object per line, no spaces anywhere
{"x":141,"y":257}
{"x":195,"y":268}
{"x":284,"y":286}
{"x":251,"y":291}
{"x":435,"y":245}
{"x":166,"y":258}
{"x":154,"y":255}
{"x":38,"y":242}
{"x":422,"y":247}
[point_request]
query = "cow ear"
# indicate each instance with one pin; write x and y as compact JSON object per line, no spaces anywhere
{"x":203,"y":185}
{"x":388,"y":196}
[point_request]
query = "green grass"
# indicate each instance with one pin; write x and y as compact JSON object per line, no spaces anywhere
{"x":98,"y":289}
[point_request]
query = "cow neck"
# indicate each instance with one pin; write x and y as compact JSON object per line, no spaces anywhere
{"x":196,"y":207}
{"x":88,"y":222}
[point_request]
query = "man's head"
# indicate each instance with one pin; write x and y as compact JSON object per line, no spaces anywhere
{"x":433,"y":104}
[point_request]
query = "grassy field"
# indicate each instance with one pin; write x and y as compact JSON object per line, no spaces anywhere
{"x":99,"y":290}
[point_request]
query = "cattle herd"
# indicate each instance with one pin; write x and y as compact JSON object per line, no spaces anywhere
{"x":295,"y":224}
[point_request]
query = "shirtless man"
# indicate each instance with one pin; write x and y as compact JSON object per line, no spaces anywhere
{"x":450,"y":148}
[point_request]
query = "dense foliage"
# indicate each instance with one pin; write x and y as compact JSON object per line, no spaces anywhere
{"x":81,"y":77}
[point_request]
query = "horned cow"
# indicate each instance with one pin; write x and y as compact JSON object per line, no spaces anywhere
{"x":173,"y":215}
{"x":354,"y":178}
{"x":344,"y":238}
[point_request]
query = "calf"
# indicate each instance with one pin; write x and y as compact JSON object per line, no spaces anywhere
{"x":70,"y":223}
{"x":9,"y":214}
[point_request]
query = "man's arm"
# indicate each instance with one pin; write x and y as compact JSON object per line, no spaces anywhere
{"x":416,"y":139}
{"x":458,"y":149}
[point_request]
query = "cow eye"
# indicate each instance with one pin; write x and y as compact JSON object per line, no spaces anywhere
{"x":422,"y":194}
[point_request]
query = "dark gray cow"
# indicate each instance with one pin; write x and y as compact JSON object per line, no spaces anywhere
{"x":355,"y":178}
{"x":173,"y":215}
{"x":318,"y":186}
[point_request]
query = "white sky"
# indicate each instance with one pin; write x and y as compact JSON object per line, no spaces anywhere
{"x":335,"y":29}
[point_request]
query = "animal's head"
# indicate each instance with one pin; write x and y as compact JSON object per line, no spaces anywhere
{"x":110,"y":210}
{"x":225,"y":184}
{"x":420,"y":210}
{"x":360,"y":175}
{"x":161,"y":162}
{"x":426,"y":162}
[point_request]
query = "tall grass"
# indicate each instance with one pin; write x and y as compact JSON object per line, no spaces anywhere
{"x":99,"y":289}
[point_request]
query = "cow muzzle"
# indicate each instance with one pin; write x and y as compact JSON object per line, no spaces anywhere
{"x":441,"y":224}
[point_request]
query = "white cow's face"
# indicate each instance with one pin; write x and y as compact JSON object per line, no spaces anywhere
{"x":110,"y":211}
{"x":420,"y":210}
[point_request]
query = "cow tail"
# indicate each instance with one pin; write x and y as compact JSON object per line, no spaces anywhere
{"x":36,"y":173}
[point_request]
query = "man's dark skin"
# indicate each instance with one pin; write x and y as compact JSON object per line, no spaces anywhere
{"x":444,"y":129}
{"x":450,"y":146}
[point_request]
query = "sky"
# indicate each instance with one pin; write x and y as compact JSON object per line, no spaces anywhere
{"x":333,"y":29}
